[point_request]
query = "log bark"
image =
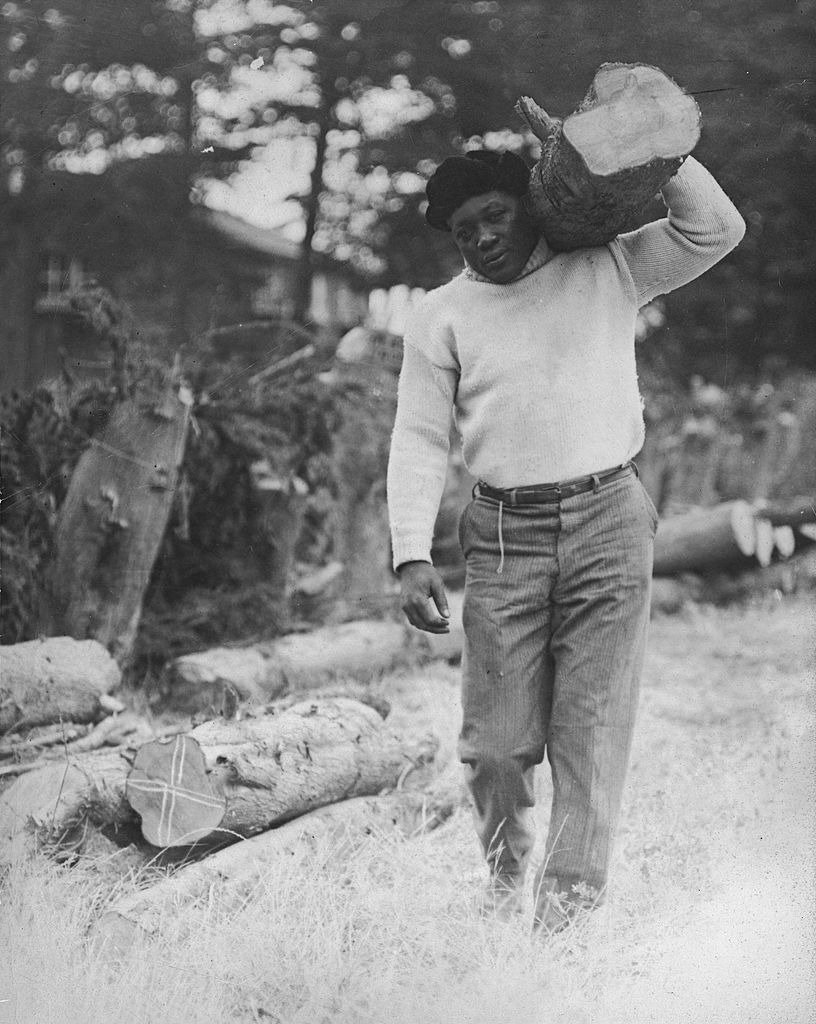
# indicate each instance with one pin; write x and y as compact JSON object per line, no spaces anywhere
{"x":230,"y":872}
{"x":111,"y":524}
{"x":54,"y":679}
{"x":789,"y":511}
{"x":268,"y":769}
{"x":705,"y":539}
{"x":602,"y":165}
{"x":359,"y":650}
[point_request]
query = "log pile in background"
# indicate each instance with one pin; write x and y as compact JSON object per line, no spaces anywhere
{"x":733,"y":535}
{"x":729,"y":551}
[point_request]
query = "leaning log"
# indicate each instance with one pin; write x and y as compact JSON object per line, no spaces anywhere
{"x":705,"y":539}
{"x":600,"y":167}
{"x":360,"y":650}
{"x":268,"y":769}
{"x":57,"y":679}
{"x":112,"y":522}
{"x":229,"y":873}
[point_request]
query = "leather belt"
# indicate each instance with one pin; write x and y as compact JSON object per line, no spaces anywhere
{"x":536,"y":494}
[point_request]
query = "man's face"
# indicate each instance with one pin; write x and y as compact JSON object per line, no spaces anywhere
{"x":494,"y":234}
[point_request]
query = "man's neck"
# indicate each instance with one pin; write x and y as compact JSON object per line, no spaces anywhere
{"x":540,"y":255}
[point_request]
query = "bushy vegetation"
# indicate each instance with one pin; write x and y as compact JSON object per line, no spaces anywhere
{"x":41,"y":440}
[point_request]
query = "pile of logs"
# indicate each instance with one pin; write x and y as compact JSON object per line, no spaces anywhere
{"x":731,"y":550}
{"x":80,"y":774}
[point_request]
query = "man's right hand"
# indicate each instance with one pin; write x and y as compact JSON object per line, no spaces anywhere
{"x":423,"y":597}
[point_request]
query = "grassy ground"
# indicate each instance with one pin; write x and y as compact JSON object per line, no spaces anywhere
{"x":711,"y":918}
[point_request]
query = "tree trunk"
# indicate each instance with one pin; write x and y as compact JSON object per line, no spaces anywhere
{"x":705,"y":539}
{"x":690,"y":464}
{"x":278,"y":508}
{"x":54,"y":680}
{"x":362,"y":538}
{"x":239,"y":868}
{"x":19,"y":270}
{"x":304,"y":272}
{"x":359,"y":650}
{"x":111,"y":525}
{"x":268,"y":769}
{"x":602,"y":165}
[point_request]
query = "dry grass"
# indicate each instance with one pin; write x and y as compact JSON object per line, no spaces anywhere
{"x":711,"y":918}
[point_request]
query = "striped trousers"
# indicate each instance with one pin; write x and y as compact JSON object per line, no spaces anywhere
{"x":556,"y":612}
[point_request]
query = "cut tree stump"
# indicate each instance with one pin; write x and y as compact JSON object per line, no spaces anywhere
{"x":54,"y":679}
{"x":235,"y":871}
{"x":112,"y":522}
{"x":600,"y":167}
{"x":705,"y":539}
{"x":268,"y":769}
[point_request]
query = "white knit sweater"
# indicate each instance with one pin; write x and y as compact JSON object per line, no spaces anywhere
{"x":540,"y":373}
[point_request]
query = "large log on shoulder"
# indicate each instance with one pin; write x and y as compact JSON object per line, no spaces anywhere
{"x":54,"y":679}
{"x":705,"y":539}
{"x":602,"y":165}
{"x":268,"y":769}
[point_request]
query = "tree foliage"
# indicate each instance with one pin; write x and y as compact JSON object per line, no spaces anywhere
{"x":117,"y":119}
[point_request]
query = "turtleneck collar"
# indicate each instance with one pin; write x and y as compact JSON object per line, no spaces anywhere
{"x":538,"y":257}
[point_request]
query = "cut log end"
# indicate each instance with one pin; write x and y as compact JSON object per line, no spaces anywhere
{"x":641,"y":117}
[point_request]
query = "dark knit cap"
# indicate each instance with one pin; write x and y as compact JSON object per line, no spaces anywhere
{"x":459,"y":178}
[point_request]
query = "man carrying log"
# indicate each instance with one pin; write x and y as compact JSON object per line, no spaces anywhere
{"x":532,"y":351}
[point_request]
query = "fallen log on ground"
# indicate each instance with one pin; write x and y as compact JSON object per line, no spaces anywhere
{"x":670,"y":594}
{"x":602,"y":165}
{"x":705,"y":539}
{"x":789,"y":512}
{"x":55,"y":679}
{"x":232,"y":872}
{"x":360,"y":650}
{"x":269,"y":770}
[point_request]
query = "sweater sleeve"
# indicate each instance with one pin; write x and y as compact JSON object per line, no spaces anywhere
{"x":702,"y":226}
{"x":418,"y":458}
